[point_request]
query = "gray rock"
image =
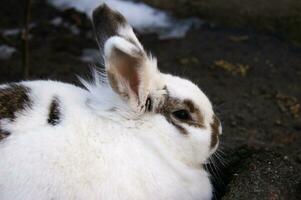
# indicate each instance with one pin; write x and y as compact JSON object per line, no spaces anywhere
{"x":264,"y":175}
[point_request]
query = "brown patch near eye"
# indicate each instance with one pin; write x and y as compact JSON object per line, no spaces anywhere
{"x":190,"y":105}
{"x":198,"y":120}
{"x":165,"y":110}
{"x":13,"y":98}
{"x":215,"y":131}
{"x":173,"y":104}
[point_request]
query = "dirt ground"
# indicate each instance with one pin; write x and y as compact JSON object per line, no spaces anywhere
{"x":254,"y":81}
{"x":281,"y":17}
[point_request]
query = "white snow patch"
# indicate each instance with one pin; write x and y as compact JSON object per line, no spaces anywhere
{"x":11,"y":32}
{"x":6,"y":51}
{"x":74,"y":30}
{"x":144,"y":18}
{"x":15,"y":31}
{"x":56,"y":21}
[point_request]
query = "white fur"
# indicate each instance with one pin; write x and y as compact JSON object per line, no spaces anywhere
{"x":127,"y":32}
{"x":95,"y":155}
{"x":88,"y":156}
{"x":121,"y":44}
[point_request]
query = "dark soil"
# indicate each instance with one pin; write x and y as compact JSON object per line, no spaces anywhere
{"x":281,"y":17}
{"x":254,"y":81}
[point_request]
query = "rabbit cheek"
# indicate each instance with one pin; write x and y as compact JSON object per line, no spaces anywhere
{"x":54,"y":116}
{"x":13,"y":99}
{"x":180,"y":128}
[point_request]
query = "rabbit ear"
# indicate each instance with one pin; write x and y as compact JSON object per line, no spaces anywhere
{"x":108,"y":23}
{"x":128,"y":68}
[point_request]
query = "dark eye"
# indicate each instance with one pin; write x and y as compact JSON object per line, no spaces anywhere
{"x":182,"y":115}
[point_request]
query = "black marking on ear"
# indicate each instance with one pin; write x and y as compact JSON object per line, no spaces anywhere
{"x":106,"y":23}
{"x":13,"y":99}
{"x":54,"y":116}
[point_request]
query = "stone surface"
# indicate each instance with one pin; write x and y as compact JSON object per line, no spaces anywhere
{"x":264,"y":175}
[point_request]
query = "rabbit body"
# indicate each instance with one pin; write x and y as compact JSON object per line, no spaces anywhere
{"x":89,"y":156}
{"x":132,"y":133}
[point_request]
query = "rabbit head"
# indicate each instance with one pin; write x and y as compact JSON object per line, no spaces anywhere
{"x":175,"y":109}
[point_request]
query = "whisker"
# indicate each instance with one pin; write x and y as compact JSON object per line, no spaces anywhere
{"x":215,"y":170}
{"x":219,"y":150}
{"x":216,"y":167}
{"x":221,"y":159}
{"x":210,"y":167}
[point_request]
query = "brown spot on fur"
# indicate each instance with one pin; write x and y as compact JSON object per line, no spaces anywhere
{"x":13,"y":98}
{"x":215,"y":131}
{"x":54,"y":115}
{"x":190,"y":105}
{"x":149,"y":104}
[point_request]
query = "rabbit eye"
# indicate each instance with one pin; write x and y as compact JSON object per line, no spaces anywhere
{"x":182,"y":115}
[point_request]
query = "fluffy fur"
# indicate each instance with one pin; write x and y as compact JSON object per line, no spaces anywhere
{"x":107,"y":144}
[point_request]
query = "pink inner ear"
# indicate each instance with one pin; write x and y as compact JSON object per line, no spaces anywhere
{"x":130,"y":74}
{"x":128,"y":68}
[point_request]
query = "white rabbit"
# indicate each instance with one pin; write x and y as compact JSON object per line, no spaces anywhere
{"x":134,"y":133}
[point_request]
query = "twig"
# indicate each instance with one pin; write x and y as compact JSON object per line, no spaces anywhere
{"x":24,"y":37}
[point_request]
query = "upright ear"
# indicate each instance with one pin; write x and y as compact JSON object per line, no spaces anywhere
{"x":130,"y":71}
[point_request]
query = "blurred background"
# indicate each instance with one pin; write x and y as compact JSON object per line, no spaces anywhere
{"x":245,"y":55}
